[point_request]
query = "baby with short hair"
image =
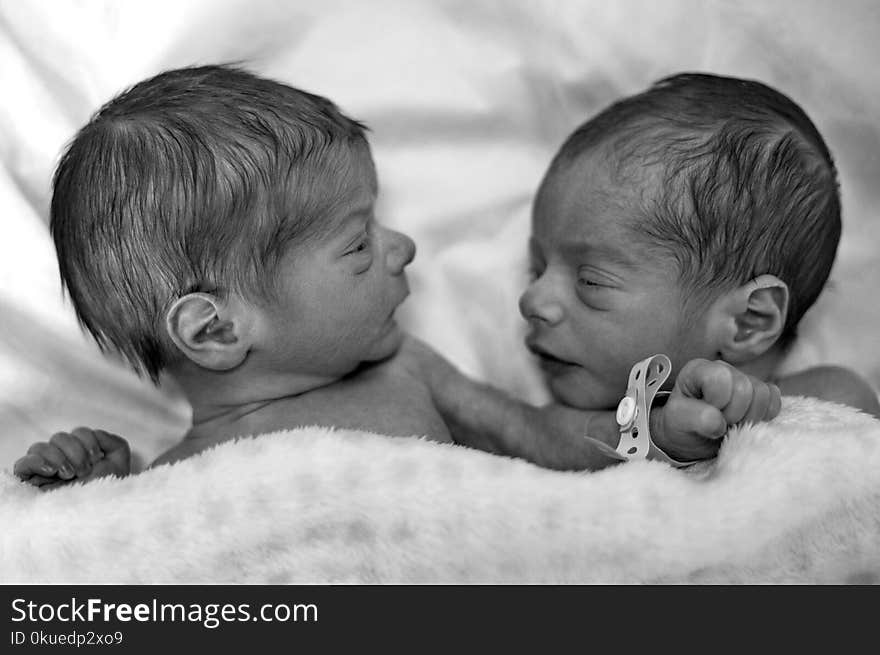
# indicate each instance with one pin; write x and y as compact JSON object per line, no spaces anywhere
{"x":699,"y":219}
{"x":220,"y":227}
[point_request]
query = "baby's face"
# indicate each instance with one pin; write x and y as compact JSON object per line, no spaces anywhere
{"x":599,"y":302}
{"x":337,"y":297}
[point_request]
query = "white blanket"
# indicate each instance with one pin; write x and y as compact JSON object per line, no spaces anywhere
{"x":793,"y":501}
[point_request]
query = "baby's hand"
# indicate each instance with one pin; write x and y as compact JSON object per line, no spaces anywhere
{"x":707,"y":399}
{"x":76,"y":456}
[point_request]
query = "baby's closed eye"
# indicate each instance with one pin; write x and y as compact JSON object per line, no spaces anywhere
{"x":594,"y":279}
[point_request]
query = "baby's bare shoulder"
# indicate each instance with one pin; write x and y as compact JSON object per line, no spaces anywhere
{"x":833,"y":383}
{"x":388,"y":397}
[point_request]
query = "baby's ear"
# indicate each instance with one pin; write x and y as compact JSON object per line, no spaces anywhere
{"x":753,"y":317}
{"x":209,"y":331}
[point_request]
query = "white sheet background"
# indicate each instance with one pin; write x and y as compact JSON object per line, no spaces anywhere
{"x":467,"y":102}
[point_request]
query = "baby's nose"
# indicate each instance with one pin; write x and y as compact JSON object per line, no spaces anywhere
{"x":401,"y":251}
{"x":537,"y":303}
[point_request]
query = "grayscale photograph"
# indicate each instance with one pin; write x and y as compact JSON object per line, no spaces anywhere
{"x":436,"y":292}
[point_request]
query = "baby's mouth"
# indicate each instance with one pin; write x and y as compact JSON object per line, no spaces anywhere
{"x":399,"y":303}
{"x":404,"y":295}
{"x":546,"y":358}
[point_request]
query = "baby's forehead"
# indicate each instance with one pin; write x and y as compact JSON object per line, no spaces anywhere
{"x":322,"y":204}
{"x":597,"y":184}
{"x":587,"y":212}
{"x":345,"y":214}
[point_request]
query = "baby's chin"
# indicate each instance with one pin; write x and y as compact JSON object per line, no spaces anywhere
{"x":387,"y":344}
{"x":575,"y":391}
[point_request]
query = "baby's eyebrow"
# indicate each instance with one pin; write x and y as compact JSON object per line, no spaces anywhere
{"x":605,"y":252}
{"x":362,"y":208}
{"x":352,"y":227}
{"x":344,"y":221}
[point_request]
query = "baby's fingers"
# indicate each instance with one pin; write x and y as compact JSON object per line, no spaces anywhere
{"x":775,"y":403}
{"x":699,"y":418}
{"x":75,"y":452}
{"x":55,"y":457}
{"x":709,"y":381}
{"x":692,"y":429}
{"x":760,"y":406}
{"x":32,"y":466}
{"x":116,"y":455}
{"x":743,"y":403}
{"x":54,"y":483}
{"x":45,"y":483}
{"x":111,"y":443}
{"x":766,"y":403}
{"x":724,"y":387}
{"x":88,"y":438}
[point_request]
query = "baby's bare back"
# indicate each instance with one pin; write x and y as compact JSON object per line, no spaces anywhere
{"x":388,"y":397}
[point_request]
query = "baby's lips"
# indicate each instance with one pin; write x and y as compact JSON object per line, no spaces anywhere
{"x":403,"y":297}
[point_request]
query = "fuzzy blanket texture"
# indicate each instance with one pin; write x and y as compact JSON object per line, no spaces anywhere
{"x":792,"y":501}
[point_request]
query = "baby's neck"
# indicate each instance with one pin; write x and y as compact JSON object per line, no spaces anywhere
{"x":766,"y":366}
{"x":219,"y":398}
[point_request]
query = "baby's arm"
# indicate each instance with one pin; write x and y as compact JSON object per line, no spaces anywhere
{"x":707,"y":398}
{"x":77,"y":456}
{"x":482,"y":417}
{"x":833,"y":383}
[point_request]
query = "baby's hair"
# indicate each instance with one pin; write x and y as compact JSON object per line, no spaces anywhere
{"x":742,"y":183}
{"x":197,"y":179}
